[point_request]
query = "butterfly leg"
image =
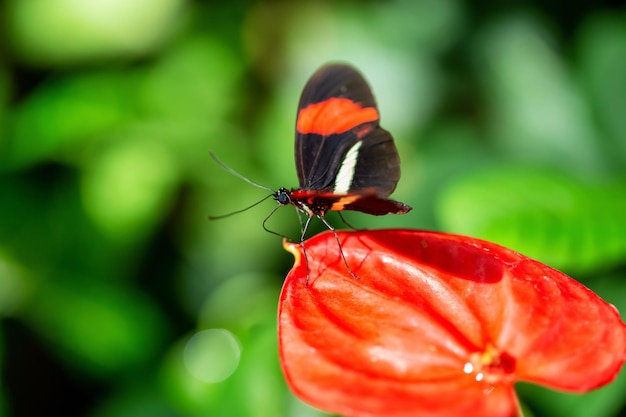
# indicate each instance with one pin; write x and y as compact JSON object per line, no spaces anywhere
{"x":343,"y":256}
{"x":343,"y":219}
{"x":305,"y":227}
{"x":267,"y":218}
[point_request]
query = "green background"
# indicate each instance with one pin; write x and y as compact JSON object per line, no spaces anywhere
{"x":119,"y":298}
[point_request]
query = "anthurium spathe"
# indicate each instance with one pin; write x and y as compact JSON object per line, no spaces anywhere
{"x":436,"y":325}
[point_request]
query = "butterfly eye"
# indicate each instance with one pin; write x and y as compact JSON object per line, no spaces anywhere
{"x":282,"y":196}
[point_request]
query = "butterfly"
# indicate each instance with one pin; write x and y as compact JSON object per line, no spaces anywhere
{"x":344,"y":159}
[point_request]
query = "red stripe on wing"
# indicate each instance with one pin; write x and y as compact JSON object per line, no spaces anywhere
{"x":333,"y":116}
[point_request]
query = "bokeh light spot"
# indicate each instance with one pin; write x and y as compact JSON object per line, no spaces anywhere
{"x":212,"y":355}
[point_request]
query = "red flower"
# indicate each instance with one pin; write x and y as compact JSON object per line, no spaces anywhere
{"x":437,"y":325}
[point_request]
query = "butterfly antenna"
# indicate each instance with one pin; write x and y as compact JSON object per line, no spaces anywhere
{"x":240,"y":211}
{"x":238,"y":175}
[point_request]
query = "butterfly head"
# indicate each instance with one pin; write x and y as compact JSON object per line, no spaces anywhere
{"x":283,"y":196}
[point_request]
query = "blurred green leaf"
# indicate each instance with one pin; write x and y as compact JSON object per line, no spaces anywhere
{"x":65,"y":31}
{"x":14,"y":287}
{"x":538,"y":114}
{"x":61,"y":116}
{"x":602,"y":56}
{"x":246,"y":306}
{"x":128,"y":188}
{"x":5,"y":87}
{"x":446,"y":150}
{"x":142,"y":400}
{"x":547,"y":216}
{"x":257,"y":379}
{"x":606,"y":401}
{"x":198,"y":79}
{"x":186,"y":394}
{"x":240,"y":302}
{"x":100,"y":329}
{"x":187,"y":99}
{"x":428,"y":24}
{"x":612,"y":288}
{"x":44,"y":227}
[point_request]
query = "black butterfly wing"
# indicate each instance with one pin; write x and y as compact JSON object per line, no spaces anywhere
{"x":340,"y":147}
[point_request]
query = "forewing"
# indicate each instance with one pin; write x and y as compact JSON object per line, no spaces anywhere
{"x":336,"y":110}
